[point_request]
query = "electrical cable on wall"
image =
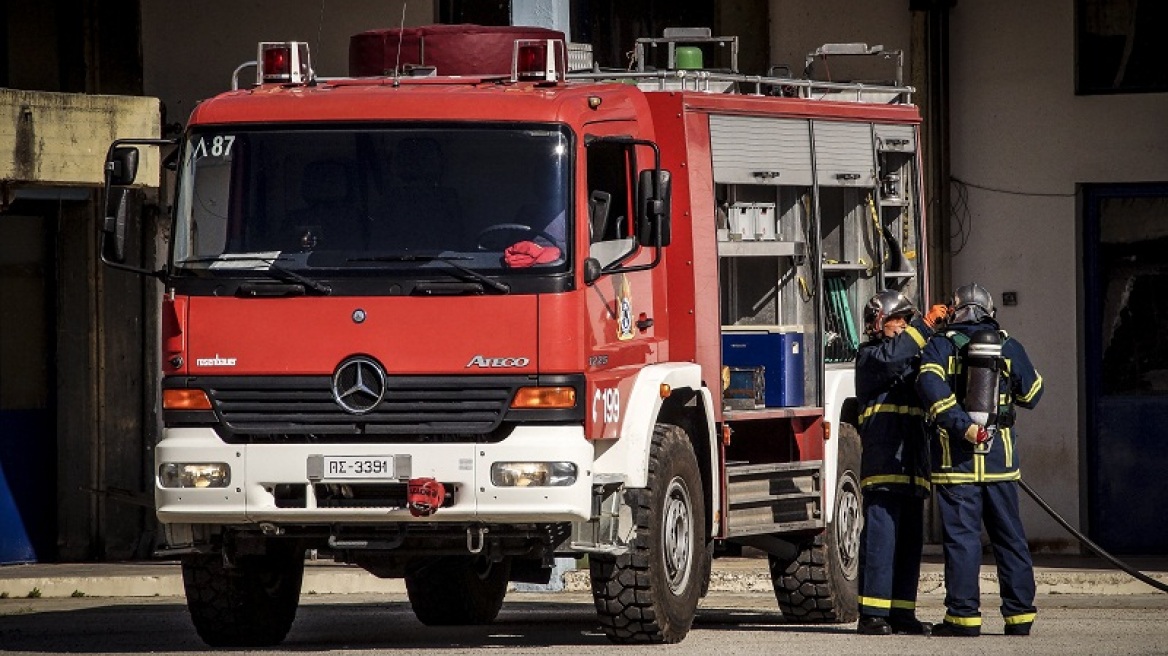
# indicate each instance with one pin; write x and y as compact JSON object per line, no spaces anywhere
{"x":960,"y":216}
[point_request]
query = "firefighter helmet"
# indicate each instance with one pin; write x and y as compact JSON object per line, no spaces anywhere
{"x":972,"y":303}
{"x":886,"y":304}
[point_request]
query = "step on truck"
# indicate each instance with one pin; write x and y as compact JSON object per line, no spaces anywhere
{"x":483,"y":304}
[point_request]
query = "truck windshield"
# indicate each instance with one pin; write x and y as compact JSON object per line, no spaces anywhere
{"x":358,"y":198}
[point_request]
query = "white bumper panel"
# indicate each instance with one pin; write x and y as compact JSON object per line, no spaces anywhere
{"x":257,"y":468}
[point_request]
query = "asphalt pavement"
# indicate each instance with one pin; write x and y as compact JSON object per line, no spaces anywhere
{"x":1054,"y":574}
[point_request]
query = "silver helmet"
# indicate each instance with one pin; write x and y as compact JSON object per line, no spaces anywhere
{"x":972,"y":303}
{"x":888,"y":303}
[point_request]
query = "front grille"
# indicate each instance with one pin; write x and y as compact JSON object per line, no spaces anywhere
{"x":266,"y":409}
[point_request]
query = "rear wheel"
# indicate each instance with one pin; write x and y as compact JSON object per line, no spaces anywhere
{"x":251,"y":604}
{"x":457,"y":590}
{"x":820,"y":584}
{"x":651,"y":592}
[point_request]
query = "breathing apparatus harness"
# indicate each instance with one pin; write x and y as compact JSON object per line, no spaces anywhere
{"x":981,"y":355}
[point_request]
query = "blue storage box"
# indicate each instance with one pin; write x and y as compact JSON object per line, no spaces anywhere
{"x":778,"y":349}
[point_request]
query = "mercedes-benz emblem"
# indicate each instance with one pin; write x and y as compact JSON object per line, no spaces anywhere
{"x":359,"y":385}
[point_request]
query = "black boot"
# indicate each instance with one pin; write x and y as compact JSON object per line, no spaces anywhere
{"x":872,"y":625}
{"x":909,"y":626}
{"x":1019,"y":629}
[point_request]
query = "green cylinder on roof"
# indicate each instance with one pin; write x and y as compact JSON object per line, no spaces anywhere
{"x":688,"y":58}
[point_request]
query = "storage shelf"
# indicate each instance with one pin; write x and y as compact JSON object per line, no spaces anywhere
{"x":761,"y":248}
{"x":771,"y":413}
{"x":899,"y":274}
{"x":846,"y":267}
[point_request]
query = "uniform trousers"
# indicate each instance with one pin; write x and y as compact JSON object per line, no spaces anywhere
{"x":890,"y":554}
{"x":963,"y":508}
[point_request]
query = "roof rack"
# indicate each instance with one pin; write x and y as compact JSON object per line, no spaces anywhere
{"x":683,"y":74}
{"x":756,"y":85}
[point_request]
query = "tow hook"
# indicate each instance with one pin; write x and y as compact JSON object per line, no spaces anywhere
{"x":473,"y":544}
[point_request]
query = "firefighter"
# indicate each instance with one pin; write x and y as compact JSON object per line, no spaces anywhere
{"x":975,"y":465}
{"x":894,"y":466}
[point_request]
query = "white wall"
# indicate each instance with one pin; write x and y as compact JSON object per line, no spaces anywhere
{"x":189,"y":49}
{"x":1018,"y":126}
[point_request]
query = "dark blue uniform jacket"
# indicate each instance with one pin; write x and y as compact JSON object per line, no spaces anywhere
{"x":895,"y":449}
{"x":941,"y":384}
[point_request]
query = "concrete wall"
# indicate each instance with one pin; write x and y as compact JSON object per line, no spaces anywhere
{"x":798,"y":28}
{"x":189,"y":49}
{"x":1026,"y":141}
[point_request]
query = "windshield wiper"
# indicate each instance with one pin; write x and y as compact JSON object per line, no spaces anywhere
{"x":501,"y":287}
{"x":273,"y":271}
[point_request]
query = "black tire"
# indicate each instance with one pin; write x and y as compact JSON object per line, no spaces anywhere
{"x":820,"y":585}
{"x":651,"y":592}
{"x":457,"y":590}
{"x":251,"y":604}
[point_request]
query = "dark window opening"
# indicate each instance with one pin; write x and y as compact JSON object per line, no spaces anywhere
{"x":1118,"y":46}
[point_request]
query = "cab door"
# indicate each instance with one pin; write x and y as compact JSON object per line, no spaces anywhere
{"x":625,"y":331}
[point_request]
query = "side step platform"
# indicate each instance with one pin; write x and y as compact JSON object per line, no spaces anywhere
{"x":765,"y":499}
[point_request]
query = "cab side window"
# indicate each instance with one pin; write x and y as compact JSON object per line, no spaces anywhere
{"x":610,"y":168}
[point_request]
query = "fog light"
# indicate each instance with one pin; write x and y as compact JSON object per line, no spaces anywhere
{"x":194,"y":474}
{"x":533,"y":474}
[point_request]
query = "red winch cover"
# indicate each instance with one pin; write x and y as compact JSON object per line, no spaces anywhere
{"x":453,"y":49}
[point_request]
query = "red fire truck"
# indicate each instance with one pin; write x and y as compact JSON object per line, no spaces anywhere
{"x":453,"y":317}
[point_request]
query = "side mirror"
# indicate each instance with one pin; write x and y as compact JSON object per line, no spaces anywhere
{"x":113,"y":238}
{"x":592,"y":270}
{"x":653,"y":208}
{"x":122,"y":167}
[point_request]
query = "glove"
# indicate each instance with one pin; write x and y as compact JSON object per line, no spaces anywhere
{"x":936,"y":316}
{"x":977,"y":434}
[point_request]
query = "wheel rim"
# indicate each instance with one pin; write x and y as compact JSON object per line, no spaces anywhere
{"x":848,"y":522}
{"x":677,"y":535}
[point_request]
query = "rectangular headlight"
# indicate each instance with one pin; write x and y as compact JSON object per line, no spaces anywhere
{"x":533,"y":474}
{"x":194,"y":474}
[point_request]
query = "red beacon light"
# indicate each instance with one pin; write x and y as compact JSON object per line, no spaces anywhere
{"x":539,"y":60}
{"x":285,"y":62}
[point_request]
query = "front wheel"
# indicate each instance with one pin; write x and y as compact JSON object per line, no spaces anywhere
{"x":457,"y":590}
{"x":820,"y":585}
{"x":650,"y":593}
{"x":251,"y":604}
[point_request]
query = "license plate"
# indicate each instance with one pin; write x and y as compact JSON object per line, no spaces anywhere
{"x":357,"y":467}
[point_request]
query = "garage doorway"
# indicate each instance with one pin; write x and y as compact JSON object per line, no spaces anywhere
{"x":27,"y":414}
{"x":1126,"y":283}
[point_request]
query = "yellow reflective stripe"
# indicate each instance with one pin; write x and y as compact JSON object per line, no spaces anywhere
{"x":888,"y":407}
{"x":1025,"y":398}
{"x":895,"y":478}
{"x":953,"y":478}
{"x":942,"y":405}
{"x":916,"y":335}
{"x":999,"y":478}
{"x":962,"y":621}
{"x":1008,"y":443}
{"x":933,"y":368}
{"x":954,"y":364}
{"x":875,"y":602}
{"x":1024,"y":618}
{"x":904,"y":605}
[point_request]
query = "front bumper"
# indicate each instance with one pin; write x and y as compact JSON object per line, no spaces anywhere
{"x":261,"y":472}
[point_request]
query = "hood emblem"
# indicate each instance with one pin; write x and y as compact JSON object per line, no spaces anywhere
{"x":359,"y":385}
